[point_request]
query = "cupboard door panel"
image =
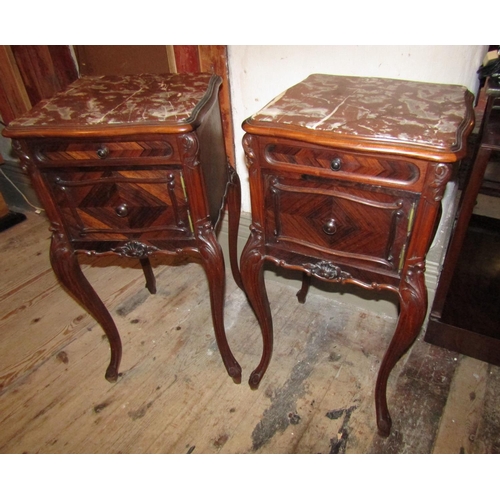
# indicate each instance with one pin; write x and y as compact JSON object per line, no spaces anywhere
{"x":120,"y":204}
{"x":367,"y":224}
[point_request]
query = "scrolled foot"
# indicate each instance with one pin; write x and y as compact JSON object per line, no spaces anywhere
{"x":254,"y":380}
{"x":384,"y":424}
{"x":111,"y":374}
{"x":235,"y":374}
{"x":301,"y":297}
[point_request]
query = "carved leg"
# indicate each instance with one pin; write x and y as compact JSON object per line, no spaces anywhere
{"x":148,"y":273}
{"x":306,"y":283}
{"x":234,"y":209}
{"x":213,"y":263}
{"x":67,"y":269}
{"x":252,"y":273}
{"x":413,"y":304}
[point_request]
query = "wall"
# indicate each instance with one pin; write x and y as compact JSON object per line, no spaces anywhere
{"x":259,"y":73}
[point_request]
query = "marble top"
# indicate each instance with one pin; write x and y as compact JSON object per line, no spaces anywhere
{"x":371,"y":109}
{"x":96,"y":101}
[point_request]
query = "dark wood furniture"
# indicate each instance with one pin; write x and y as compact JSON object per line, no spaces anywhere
{"x":133,"y":166}
{"x":7,"y":217}
{"x":465,"y":315}
{"x":98,"y":60}
{"x":346,"y":177}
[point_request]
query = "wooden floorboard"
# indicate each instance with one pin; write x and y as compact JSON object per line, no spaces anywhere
{"x":174,"y":396}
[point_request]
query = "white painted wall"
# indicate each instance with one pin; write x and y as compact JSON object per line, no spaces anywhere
{"x":258,"y":73}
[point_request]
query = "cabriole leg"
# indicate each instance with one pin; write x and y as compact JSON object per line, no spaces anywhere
{"x":306,"y":283}
{"x":149,"y":275}
{"x":413,"y":306}
{"x":252,"y":273}
{"x":67,"y":269}
{"x":213,"y":264}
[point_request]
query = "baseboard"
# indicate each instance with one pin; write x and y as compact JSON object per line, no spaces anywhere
{"x":472,"y":344}
{"x":11,"y":219}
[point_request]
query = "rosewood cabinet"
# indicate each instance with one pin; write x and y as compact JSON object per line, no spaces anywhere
{"x":133,"y":166}
{"x":346,"y":178}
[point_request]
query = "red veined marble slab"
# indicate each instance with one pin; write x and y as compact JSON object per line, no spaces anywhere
{"x":367,"y":110}
{"x":92,"y":102}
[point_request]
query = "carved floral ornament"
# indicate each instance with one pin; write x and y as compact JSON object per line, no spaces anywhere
{"x":190,"y":148}
{"x":135,"y":249}
{"x":327,"y":270}
{"x":442,"y":173}
{"x":249,"y":150}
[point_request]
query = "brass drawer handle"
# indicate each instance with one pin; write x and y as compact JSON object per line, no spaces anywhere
{"x":122,"y":210}
{"x":330,"y":227}
{"x":336,"y":164}
{"x":102,"y":152}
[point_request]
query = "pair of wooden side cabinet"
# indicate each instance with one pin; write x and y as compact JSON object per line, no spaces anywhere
{"x":346,"y":176}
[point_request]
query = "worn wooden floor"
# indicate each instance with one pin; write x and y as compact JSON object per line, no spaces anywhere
{"x":174,"y":395}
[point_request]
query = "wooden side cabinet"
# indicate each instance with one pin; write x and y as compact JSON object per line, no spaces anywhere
{"x":346,"y":177}
{"x":133,"y":166}
{"x":476,"y":332}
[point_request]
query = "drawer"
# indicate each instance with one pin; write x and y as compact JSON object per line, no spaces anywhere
{"x":118,"y":204}
{"x":64,"y":152}
{"x":361,"y":225}
{"x":342,"y":163}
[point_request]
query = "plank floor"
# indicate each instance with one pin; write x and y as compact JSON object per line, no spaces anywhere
{"x":174,"y":396}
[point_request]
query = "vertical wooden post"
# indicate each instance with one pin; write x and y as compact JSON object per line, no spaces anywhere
{"x":213,"y":59}
{"x":14,"y":100}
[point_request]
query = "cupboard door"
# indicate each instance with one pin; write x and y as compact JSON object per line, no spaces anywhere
{"x":318,"y":216}
{"x":121,"y":204}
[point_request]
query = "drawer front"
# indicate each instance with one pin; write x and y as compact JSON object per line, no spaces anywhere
{"x":349,"y":223}
{"x":121,"y":204}
{"x":62,"y":152}
{"x":342,"y":163}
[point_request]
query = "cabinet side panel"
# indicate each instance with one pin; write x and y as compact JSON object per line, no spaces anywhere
{"x":213,"y":160}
